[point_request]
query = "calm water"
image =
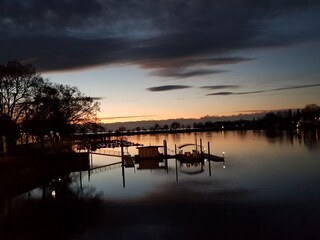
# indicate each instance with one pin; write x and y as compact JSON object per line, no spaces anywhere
{"x":269,"y":189}
{"x":279,"y":168}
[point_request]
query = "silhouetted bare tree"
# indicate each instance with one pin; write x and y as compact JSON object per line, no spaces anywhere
{"x":16,"y":83}
{"x":40,"y":106}
{"x":311,"y":112}
{"x":59,"y":109}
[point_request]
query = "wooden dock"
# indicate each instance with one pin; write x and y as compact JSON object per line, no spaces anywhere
{"x":213,"y":158}
{"x":149,"y":154}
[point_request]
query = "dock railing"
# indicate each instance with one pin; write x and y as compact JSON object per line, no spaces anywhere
{"x":109,"y":152}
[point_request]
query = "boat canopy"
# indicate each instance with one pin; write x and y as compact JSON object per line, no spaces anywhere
{"x":187,"y":144}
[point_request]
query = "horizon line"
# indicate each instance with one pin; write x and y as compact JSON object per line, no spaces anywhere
{"x":245,"y":112}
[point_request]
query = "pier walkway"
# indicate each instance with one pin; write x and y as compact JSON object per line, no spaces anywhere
{"x":106,"y":152}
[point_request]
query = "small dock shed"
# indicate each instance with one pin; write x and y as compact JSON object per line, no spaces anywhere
{"x":149,"y":152}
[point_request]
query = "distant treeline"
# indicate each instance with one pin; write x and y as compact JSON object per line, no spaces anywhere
{"x":306,"y":118}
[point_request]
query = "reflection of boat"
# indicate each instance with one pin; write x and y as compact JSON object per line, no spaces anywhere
{"x":191,"y":161}
{"x":191,"y":167}
{"x":193,"y":156}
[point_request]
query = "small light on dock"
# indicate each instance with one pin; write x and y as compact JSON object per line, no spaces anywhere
{"x":223,"y":154}
{"x":224,"y":166}
{"x":53,"y":193}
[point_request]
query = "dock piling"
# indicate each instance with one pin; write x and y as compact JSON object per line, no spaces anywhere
{"x":209,"y":159}
{"x":122,"y":163}
{"x":175,"y":153}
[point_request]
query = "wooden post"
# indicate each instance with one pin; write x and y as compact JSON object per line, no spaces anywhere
{"x":90,"y":163}
{"x":209,"y":158}
{"x":122,"y":163}
{"x":201,"y":146}
{"x":165,"y":152}
{"x":175,"y":153}
{"x":91,"y":157}
{"x":196,"y":144}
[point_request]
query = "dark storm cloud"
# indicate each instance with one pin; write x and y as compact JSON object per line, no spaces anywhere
{"x":61,"y":53}
{"x":37,"y":18}
{"x":58,"y":35}
{"x":167,"y":88}
{"x":262,"y":91}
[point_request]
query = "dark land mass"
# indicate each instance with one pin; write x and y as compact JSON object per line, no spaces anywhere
{"x":20,"y":174}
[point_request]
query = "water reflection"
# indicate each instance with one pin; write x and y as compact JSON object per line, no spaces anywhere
{"x":191,"y":167}
{"x":56,"y":210}
{"x":268,"y":191}
{"x":310,"y":139}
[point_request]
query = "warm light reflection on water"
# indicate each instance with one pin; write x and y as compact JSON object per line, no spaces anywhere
{"x":265,"y":166}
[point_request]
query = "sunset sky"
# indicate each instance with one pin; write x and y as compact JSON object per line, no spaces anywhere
{"x":171,"y":59}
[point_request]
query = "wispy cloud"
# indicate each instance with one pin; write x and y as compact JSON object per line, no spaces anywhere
{"x":295,"y":87}
{"x":167,"y":88}
{"x":253,"y":111}
{"x":261,"y":110}
{"x":233,"y":93}
{"x":215,"y":87}
{"x":126,"y":117}
{"x":262,"y":91}
{"x":190,"y":61}
{"x":184,"y":73}
{"x":189,"y":66}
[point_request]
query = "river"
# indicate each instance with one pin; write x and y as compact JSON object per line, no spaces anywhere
{"x":268,"y":188}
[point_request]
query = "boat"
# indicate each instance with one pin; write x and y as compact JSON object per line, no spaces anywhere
{"x":195,"y":155}
{"x":189,"y":156}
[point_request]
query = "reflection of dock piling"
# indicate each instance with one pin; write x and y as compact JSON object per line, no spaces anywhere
{"x":128,"y":161}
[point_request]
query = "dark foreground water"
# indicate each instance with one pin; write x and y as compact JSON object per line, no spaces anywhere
{"x":269,"y":189}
